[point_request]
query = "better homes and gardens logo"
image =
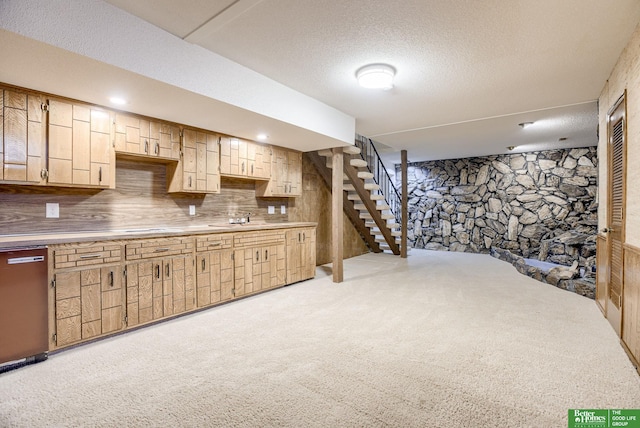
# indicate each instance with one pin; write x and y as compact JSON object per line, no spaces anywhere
{"x":603,"y":418}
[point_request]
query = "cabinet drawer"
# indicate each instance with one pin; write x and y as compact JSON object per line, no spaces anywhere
{"x":149,"y":248}
{"x":94,"y":253}
{"x":221,"y":241}
{"x":252,"y":239}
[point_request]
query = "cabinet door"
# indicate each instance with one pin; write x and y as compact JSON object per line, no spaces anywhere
{"x":294,"y":173}
{"x":68,"y":308}
{"x":308,"y":253}
{"x":112,"y":299}
{"x":22,"y":138}
{"x":88,"y":303}
{"x":197,"y":171}
{"x":140,"y":279}
{"x":212,"y":166}
{"x":294,"y":258}
{"x":214,"y":277}
{"x":259,"y":158}
{"x":79,"y":145}
{"x":190,"y":160}
{"x":168,"y":146}
{"x":233,"y":157}
{"x":182,"y":284}
{"x":138,"y":136}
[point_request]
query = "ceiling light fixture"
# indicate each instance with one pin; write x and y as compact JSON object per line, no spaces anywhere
{"x":262,"y":137}
{"x":524,"y":125}
{"x":117,"y":100}
{"x":511,"y":147}
{"x":376,"y":76}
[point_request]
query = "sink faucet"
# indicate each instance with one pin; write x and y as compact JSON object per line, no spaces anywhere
{"x":237,"y":219}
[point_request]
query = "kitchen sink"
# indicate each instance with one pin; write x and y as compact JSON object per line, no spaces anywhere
{"x":150,"y":230}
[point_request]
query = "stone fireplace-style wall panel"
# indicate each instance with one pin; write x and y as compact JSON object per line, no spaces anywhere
{"x":519,"y":202}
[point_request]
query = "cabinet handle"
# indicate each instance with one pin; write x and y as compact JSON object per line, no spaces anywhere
{"x":251,"y":169}
{"x":166,"y":269}
{"x":215,"y":244}
{"x":111,"y":279}
{"x":157,"y":149}
{"x":161,"y":250}
{"x":89,"y":256}
{"x":257,"y":255}
{"x":203,"y":265}
{"x":189,"y":181}
{"x":158,"y":271}
{"x":299,"y":237}
{"x":304,"y":236}
{"x":243,"y":167}
{"x":100,"y":175}
{"x":146,"y":146}
{"x":266,"y":255}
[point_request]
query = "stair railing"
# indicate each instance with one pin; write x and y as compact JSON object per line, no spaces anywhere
{"x":381,"y":177}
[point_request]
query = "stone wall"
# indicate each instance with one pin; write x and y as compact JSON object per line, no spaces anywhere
{"x":538,"y":203}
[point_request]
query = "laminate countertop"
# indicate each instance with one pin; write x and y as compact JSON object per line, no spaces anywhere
{"x":44,"y":239}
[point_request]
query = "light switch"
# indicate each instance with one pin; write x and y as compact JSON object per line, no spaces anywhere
{"x":271,"y":209}
{"x":192,"y":210}
{"x":283,"y":209}
{"x":52,"y":210}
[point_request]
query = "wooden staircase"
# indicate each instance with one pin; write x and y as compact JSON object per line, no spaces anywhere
{"x":364,"y":202}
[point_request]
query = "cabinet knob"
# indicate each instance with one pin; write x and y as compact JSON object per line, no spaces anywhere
{"x":608,"y":230}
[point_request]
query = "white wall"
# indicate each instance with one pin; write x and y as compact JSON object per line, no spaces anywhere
{"x":625,"y":75}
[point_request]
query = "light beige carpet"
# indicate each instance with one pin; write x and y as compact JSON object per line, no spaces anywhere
{"x":437,"y":340}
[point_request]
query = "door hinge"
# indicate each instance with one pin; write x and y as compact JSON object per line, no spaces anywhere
{"x":124,"y":272}
{"x":233,"y":256}
{"x":44,"y":107}
{"x":53,"y":283}
{"x":126,"y":320}
{"x":55,"y":338}
{"x":619,"y":301}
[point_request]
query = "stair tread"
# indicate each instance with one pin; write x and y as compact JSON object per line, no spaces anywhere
{"x":365,"y":175}
{"x":371,"y":186}
{"x":353,"y":197}
{"x":352,"y":150}
{"x":377,"y":197}
{"x":325,"y":152}
{"x":358,"y":163}
{"x":348,"y":187}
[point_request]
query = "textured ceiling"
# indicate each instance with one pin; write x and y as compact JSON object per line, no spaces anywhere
{"x":468,"y":71}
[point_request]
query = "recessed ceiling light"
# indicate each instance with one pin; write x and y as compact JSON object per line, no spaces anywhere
{"x":511,"y":147}
{"x":562,"y":139}
{"x":117,"y":100}
{"x":524,"y":125}
{"x":376,"y":76}
{"x":262,"y":137}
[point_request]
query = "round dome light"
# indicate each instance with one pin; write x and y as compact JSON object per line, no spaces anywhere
{"x":376,"y":76}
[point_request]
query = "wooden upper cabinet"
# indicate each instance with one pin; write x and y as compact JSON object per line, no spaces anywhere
{"x":286,"y":174}
{"x":246,"y":159}
{"x":79,"y":149}
{"x":22,"y":137}
{"x":198,"y":168}
{"x":140,"y":137}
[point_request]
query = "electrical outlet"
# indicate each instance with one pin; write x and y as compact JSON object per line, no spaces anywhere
{"x":271,"y":209}
{"x":283,"y":209}
{"x":192,"y":210}
{"x":52,"y":210}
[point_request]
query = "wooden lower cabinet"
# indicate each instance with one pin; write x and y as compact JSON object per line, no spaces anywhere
{"x":159,"y":288}
{"x":88,"y":303}
{"x":301,"y":254}
{"x":259,"y":261}
{"x":96,"y":291}
{"x":214,"y":277}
